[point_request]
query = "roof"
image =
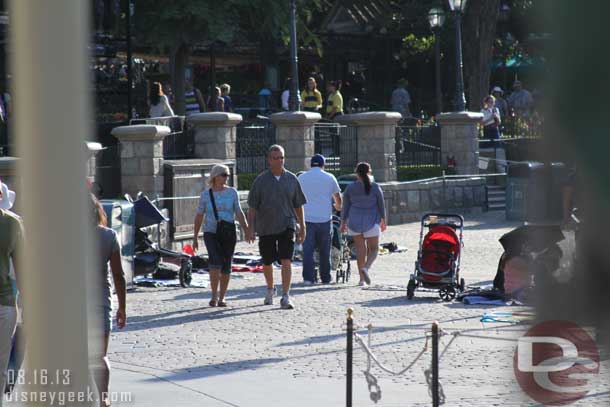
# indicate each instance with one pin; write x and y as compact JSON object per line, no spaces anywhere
{"x":356,"y":16}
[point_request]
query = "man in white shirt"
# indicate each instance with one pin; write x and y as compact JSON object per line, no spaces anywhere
{"x":320,"y":189}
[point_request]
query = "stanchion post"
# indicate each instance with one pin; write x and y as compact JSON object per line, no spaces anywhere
{"x":350,"y":352}
{"x":435,"y":395}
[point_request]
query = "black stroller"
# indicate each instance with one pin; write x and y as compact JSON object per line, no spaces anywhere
{"x":148,"y":255}
{"x":340,"y":254}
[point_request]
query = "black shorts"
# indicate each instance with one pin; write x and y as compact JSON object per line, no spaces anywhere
{"x":276,"y":247}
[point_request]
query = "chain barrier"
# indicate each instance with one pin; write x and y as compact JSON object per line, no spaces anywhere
{"x":371,"y":380}
{"x":374,"y":388}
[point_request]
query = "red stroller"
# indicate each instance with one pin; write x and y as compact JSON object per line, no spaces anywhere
{"x":438,"y":258}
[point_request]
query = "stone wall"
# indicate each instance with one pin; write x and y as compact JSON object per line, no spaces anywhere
{"x":409,"y":201}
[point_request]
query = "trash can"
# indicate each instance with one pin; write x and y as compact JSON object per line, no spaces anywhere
{"x":520,"y":180}
{"x":121,"y":219}
{"x":534,"y":192}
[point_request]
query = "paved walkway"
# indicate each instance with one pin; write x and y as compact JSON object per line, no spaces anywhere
{"x":178,"y":351}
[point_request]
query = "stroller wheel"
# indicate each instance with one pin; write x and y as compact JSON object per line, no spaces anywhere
{"x":462,"y":285}
{"x":411,"y":290}
{"x":447,"y":293}
{"x":186,"y":273}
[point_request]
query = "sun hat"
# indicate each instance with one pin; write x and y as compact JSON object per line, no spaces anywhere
{"x":497,"y":89}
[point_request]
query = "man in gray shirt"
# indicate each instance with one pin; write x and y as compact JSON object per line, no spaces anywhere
{"x":275,"y":210}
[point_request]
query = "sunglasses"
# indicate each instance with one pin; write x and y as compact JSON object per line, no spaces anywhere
{"x":281,"y":157}
{"x":223,"y":175}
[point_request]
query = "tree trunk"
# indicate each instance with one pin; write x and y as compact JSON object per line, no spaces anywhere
{"x":179,"y":59}
{"x":479,"y":32}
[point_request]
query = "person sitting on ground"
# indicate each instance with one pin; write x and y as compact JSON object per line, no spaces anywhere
{"x":363,"y":217}
{"x":321,"y":189}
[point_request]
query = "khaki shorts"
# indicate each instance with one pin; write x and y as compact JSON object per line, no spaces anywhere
{"x":372,"y":232}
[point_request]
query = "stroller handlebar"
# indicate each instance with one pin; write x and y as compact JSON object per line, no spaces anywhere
{"x":446,"y":216}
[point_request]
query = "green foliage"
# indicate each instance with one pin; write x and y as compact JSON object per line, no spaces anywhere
{"x":412,"y":173}
{"x":417,"y":45}
{"x":164,"y":23}
{"x":245,"y":180}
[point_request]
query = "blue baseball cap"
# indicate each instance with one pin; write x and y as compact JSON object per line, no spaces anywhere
{"x":317,"y":160}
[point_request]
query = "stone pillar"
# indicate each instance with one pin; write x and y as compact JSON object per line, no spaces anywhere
{"x":460,"y":140}
{"x":215,"y":134}
{"x":141,"y":149}
{"x":295,"y":132}
{"x":376,"y":141}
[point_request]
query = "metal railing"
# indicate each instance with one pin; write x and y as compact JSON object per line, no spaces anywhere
{"x":338,"y":144}
{"x":416,"y":146}
{"x":179,"y":144}
{"x":253,"y":140}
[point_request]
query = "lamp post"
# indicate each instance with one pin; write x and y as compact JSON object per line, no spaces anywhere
{"x":295,"y":98}
{"x":128,"y":16}
{"x":458,"y":7}
{"x":436,"y":18}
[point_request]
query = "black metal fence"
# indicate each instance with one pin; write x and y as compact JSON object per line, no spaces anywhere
{"x":253,"y":140}
{"x":418,"y":145}
{"x":338,"y":144}
{"x":179,"y":144}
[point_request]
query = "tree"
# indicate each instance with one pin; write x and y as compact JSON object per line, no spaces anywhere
{"x":174,"y":26}
{"x":479,"y":28}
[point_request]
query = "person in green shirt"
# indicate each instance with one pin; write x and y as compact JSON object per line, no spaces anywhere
{"x":334,"y":105}
{"x":11,"y":240}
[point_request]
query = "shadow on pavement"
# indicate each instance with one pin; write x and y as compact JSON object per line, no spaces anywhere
{"x":219,"y":369}
{"x":161,"y":320}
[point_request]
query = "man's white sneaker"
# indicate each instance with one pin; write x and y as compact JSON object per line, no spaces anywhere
{"x":285,"y":302}
{"x":361,"y":284}
{"x":269,"y":296}
{"x":367,"y":277}
{"x":307,"y":283}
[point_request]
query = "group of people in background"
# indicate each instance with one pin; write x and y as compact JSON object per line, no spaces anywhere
{"x":312,"y":100}
{"x":496,"y":109}
{"x":194,"y":102}
{"x":284,"y":210}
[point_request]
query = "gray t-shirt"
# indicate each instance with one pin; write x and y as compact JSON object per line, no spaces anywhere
{"x":108,"y":243}
{"x":275,"y":201}
{"x":362,"y":211}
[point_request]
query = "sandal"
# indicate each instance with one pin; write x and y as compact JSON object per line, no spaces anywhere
{"x":221,"y":303}
{"x":213,"y":302}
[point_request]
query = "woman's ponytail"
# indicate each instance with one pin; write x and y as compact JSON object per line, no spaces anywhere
{"x":363,"y":169}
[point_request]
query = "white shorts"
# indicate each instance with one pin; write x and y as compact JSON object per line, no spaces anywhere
{"x":372,"y":232}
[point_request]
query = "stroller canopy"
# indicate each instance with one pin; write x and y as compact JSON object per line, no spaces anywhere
{"x":147,"y":214}
{"x":440,"y":249}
